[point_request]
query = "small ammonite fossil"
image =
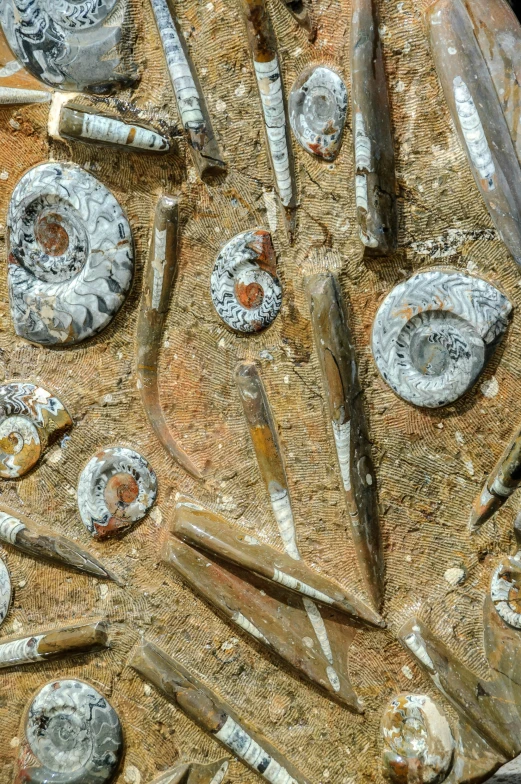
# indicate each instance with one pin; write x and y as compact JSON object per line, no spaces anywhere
{"x":245,"y":288}
{"x":317,"y":111}
{"x":5,"y":591}
{"x":505,"y":590}
{"x":74,"y":733}
{"x":117,"y":488}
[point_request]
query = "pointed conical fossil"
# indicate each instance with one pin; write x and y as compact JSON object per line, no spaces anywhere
{"x":208,"y":531}
{"x":300,"y":12}
{"x":478,"y":116}
{"x":195,"y":773}
{"x":213,"y":715}
{"x":335,"y":347}
{"x":69,"y":641}
{"x":160,"y":276}
{"x":84,"y":124}
{"x":269,"y":80}
{"x":317,"y":111}
{"x":503,"y":480}
{"x":20,"y":532}
{"x":17,"y":96}
{"x":372,"y":132}
{"x":5,"y":591}
{"x":190,"y":100}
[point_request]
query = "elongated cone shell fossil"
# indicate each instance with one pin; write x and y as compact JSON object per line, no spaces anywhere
{"x":20,"y":532}
{"x":14,"y":96}
{"x":213,"y":715}
{"x":372,"y":132}
{"x":74,"y":733}
{"x":336,"y":351}
{"x":246,"y":291}
{"x":269,"y":615}
{"x":84,"y":124}
{"x":160,"y":277}
{"x":31,"y":418}
{"x":211,"y":533}
{"x":434,"y":333}
{"x":300,"y":12}
{"x":71,"y":255}
{"x":59,"y":643}
{"x":418,"y":742}
{"x":503,"y":480}
{"x":68,"y":45}
{"x":478,"y":117}
{"x":269,"y":80}
{"x":5,"y":591}
{"x":195,"y":773}
{"x":190,"y":100}
{"x":481,"y":704}
{"x":116,"y":489}
{"x":317,"y":111}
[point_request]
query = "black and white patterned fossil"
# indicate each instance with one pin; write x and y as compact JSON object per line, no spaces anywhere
{"x":317,"y":111}
{"x":5,"y":591}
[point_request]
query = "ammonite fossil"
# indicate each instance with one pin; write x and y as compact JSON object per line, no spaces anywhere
{"x":74,"y":733}
{"x":317,"y":111}
{"x":117,"y":487}
{"x":505,"y":590}
{"x":71,"y":255}
{"x":5,"y":591}
{"x":433,"y":334}
{"x":245,"y":288}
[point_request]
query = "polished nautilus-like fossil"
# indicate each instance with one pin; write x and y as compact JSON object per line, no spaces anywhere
{"x":74,"y":733}
{"x":30,"y":417}
{"x":433,"y":334}
{"x":418,"y":742}
{"x":67,"y":44}
{"x":71,"y":255}
{"x":117,"y":487}
{"x":505,"y":590}
{"x":317,"y":111}
{"x":246,"y":291}
{"x":5,"y":591}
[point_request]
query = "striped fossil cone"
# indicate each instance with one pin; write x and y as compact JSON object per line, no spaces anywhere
{"x":78,"y":122}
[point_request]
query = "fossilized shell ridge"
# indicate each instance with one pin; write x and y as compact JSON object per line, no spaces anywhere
{"x":246,"y":291}
{"x":433,"y":334}
{"x":317,"y":111}
{"x":505,"y":591}
{"x":71,"y":255}
{"x":83,"y":124}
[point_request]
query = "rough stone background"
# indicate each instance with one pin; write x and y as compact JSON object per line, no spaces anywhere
{"x":430,"y":465}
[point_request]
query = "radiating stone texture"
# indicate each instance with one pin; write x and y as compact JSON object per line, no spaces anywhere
{"x":317,"y":111}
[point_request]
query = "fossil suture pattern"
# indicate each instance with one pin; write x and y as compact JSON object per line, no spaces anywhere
{"x":317,"y":111}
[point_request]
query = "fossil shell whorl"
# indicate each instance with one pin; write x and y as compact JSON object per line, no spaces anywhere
{"x":245,"y":288}
{"x":433,"y":334}
{"x":5,"y":591}
{"x":418,"y":742}
{"x":74,"y":733}
{"x":505,"y":591}
{"x":117,"y":487}
{"x":71,"y":255}
{"x":29,"y":417}
{"x":317,"y":111}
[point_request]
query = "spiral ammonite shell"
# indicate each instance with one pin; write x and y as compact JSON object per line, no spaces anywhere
{"x":29,"y":417}
{"x":433,"y":334}
{"x":505,"y":591}
{"x":418,"y":742}
{"x":5,"y":591}
{"x":117,"y":488}
{"x":317,"y":111}
{"x":74,"y":733}
{"x":71,"y":255}
{"x":245,"y":288}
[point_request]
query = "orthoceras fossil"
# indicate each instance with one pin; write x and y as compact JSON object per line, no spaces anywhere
{"x":300,"y":12}
{"x":15,"y":96}
{"x":160,"y":276}
{"x":71,"y":255}
{"x":195,"y":773}
{"x":58,"y":643}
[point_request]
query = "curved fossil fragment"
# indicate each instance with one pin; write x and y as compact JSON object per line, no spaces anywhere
{"x":160,"y":277}
{"x":300,"y":12}
{"x":433,"y":334}
{"x":317,"y":111}
{"x":478,"y":116}
{"x":372,"y":133}
{"x":84,"y":124}
{"x":31,"y":418}
{"x":68,"y":45}
{"x":59,"y":643}
{"x":213,"y":715}
{"x":505,"y":591}
{"x":15,"y":95}
{"x":17,"y":530}
{"x":336,"y":351}
{"x":190,"y":100}
{"x":71,"y":256}
{"x":195,"y":773}
{"x":269,"y":80}
{"x":5,"y":591}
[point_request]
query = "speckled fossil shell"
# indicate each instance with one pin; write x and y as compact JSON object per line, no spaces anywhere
{"x":317,"y":111}
{"x":5,"y":591}
{"x":245,"y":288}
{"x":117,"y":487}
{"x":505,"y":591}
{"x":418,"y":742}
{"x":71,"y":255}
{"x":433,"y":334}
{"x":74,"y":733}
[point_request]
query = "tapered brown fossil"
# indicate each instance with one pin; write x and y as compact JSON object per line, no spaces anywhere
{"x":69,"y":641}
{"x":478,"y":116}
{"x":372,"y":132}
{"x":213,"y":715}
{"x":301,"y":13}
{"x":194,"y":773}
{"x":160,"y":277}
{"x":336,"y":351}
